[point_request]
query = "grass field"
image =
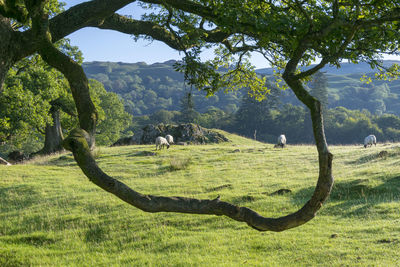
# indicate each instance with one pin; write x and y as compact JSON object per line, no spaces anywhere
{"x":51,"y":215}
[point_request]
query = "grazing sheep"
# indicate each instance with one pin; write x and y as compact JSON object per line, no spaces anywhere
{"x":170,"y":139}
{"x":161,"y":142}
{"x":281,"y":141}
{"x":369,"y":140}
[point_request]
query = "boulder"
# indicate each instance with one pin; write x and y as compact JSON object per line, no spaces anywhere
{"x":188,"y":133}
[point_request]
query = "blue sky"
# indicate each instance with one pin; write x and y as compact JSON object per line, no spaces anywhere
{"x":105,"y":45}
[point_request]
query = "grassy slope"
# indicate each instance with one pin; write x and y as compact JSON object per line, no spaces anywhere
{"x":50,"y":214}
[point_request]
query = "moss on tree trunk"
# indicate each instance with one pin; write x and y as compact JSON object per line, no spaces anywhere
{"x":53,"y":134}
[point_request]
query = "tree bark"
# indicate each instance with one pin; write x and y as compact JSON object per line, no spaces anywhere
{"x":74,"y":73}
{"x":14,"y":46}
{"x":40,"y":39}
{"x":325,"y":178}
{"x":53,"y":134}
{"x":6,"y":49}
{"x":79,"y":87}
{"x":76,"y":142}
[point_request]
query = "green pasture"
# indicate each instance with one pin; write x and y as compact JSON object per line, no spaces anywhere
{"x":52,"y":215}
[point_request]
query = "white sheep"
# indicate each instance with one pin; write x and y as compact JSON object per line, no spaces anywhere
{"x":170,"y":139}
{"x":369,"y":140}
{"x":281,"y":141}
{"x":161,"y":142}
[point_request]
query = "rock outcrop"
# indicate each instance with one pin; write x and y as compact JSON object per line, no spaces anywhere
{"x":188,"y":133}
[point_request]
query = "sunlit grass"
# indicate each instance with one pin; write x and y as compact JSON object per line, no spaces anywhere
{"x":50,"y":214}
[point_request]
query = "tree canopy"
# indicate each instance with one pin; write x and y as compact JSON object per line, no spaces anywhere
{"x":36,"y":99}
{"x":289,"y":34}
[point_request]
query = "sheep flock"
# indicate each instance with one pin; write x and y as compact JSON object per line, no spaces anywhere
{"x":166,"y":141}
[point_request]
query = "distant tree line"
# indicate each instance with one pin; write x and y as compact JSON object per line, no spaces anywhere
{"x":37,"y":108}
{"x":265,"y":120}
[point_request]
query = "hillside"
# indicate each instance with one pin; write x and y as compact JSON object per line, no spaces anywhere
{"x":148,"y":88}
{"x":51,"y":215}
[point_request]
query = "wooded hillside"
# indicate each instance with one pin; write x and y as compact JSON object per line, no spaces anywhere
{"x":148,"y":88}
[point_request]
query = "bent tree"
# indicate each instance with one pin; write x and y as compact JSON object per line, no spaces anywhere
{"x":289,"y":34}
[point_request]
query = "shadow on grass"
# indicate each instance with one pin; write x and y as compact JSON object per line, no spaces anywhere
{"x":356,"y":197}
{"x":196,"y":223}
{"x":68,"y":160}
{"x":62,"y":161}
{"x":241,"y":200}
{"x":381,"y":155}
{"x":33,"y":239}
{"x":218,"y":188}
{"x":17,"y":197}
{"x":143,"y":153}
{"x":95,"y":234}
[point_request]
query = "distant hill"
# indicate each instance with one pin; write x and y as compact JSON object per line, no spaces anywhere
{"x":148,"y":88}
{"x":345,"y":68}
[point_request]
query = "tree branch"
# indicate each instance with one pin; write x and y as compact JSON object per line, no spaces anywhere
{"x":76,"y":142}
{"x":72,"y":71}
{"x":137,"y":27}
{"x":80,"y":16}
{"x":392,"y":16}
{"x":79,"y":85}
{"x":185,"y":5}
{"x":325,"y":60}
{"x":313,"y":70}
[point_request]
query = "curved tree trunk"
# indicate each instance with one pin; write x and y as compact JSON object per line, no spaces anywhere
{"x":79,"y":142}
{"x":325,"y":179}
{"x":53,"y":134}
{"x":14,"y":46}
{"x":76,"y":142}
{"x":74,"y":73}
{"x":79,"y":87}
{"x":6,"y":59}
